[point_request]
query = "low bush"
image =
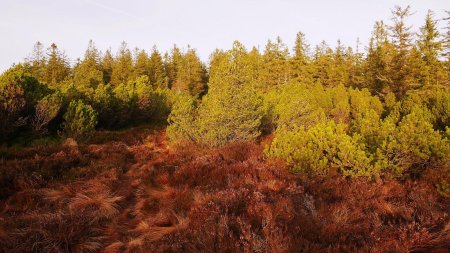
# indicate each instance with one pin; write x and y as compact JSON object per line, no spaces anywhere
{"x":79,"y":121}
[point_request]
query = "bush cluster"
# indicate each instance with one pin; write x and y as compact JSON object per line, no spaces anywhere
{"x":358,"y":134}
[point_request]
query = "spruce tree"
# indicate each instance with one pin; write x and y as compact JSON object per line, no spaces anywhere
{"x":401,"y":39}
{"x":107,"y":64}
{"x":300,"y":59}
{"x":88,"y":73}
{"x":430,"y":49}
{"x":275,"y":64}
{"x":142,"y":64}
{"x":38,"y":61}
{"x":57,"y":68}
{"x":158,"y":77}
{"x":378,"y":61}
{"x":191,"y":75}
{"x":123,"y":65}
{"x":173,"y":64}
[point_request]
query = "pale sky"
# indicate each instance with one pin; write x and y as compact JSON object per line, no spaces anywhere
{"x":203,"y":24}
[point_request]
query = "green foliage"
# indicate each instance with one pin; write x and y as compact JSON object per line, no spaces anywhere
{"x":413,"y":143}
{"x":138,"y":101}
{"x":404,"y":140}
{"x":88,"y":73}
{"x":321,"y":147}
{"x":188,"y":73}
{"x":45,"y":111}
{"x":182,"y":119}
{"x":121,"y":66}
{"x":80,"y":120}
{"x":227,"y":114}
{"x":56,"y":68}
{"x":296,"y":105}
{"x":19,"y":92}
{"x":443,"y":188}
{"x":383,"y":112}
{"x":230,"y":114}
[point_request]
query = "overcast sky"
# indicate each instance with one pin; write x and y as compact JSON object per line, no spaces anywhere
{"x":203,"y":24}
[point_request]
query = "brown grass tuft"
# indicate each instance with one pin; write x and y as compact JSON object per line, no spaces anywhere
{"x":129,"y":192}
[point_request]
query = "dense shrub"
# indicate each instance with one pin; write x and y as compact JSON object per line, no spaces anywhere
{"x":295,"y":105}
{"x":413,"y":142}
{"x":229,"y":114}
{"x":19,"y":92}
{"x":45,"y":111}
{"x":79,"y":120}
{"x":138,"y":101}
{"x":182,"y":119}
{"x":320,"y":148}
{"x":226,"y":114}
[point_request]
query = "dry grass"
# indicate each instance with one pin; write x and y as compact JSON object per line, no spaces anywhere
{"x":135,"y":194}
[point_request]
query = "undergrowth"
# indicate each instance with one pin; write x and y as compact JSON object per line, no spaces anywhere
{"x":130,"y":195}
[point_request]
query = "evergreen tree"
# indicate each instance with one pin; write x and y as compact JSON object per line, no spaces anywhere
{"x":191,"y":75}
{"x":356,"y":71}
{"x":430,"y":49}
{"x":122,"y":68}
{"x":107,"y":63}
{"x":323,"y":64}
{"x":88,"y":73}
{"x":300,"y":59}
{"x":234,"y":67}
{"x":378,"y":61}
{"x":57,"y":68}
{"x":38,"y":61}
{"x":401,"y":39}
{"x":446,"y":48}
{"x":275,"y":65}
{"x":142,"y":65}
{"x":79,"y":121}
{"x":158,"y":77}
{"x":173,"y":64}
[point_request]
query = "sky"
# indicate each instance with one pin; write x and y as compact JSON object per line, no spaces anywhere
{"x":203,"y":24}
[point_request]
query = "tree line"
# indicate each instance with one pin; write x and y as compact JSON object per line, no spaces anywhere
{"x":378,"y":111}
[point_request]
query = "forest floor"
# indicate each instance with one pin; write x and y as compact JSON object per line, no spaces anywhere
{"x":129,"y":191}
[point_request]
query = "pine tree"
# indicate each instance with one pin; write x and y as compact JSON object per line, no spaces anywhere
{"x":300,"y":59}
{"x":57,"y":68}
{"x":339,"y":73}
{"x":142,"y":65}
{"x":446,"y":47}
{"x":123,"y":66}
{"x":88,"y":73}
{"x":234,"y":67}
{"x":430,"y":48}
{"x":173,"y":64}
{"x":38,"y":61}
{"x":275,"y":65}
{"x":356,"y":72}
{"x":378,"y":61}
{"x":255,"y":66}
{"x":191,"y":75}
{"x":401,"y":39}
{"x":323,"y":64}
{"x":106,"y":63}
{"x":158,"y":77}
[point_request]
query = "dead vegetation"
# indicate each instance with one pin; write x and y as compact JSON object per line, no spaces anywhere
{"x":138,"y":195}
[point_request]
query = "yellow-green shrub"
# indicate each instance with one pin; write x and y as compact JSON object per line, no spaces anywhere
{"x":79,"y":121}
{"x":320,"y":148}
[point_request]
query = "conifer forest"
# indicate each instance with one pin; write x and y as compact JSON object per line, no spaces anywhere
{"x":306,"y":148}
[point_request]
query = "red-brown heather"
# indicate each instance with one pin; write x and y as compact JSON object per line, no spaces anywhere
{"x":313,"y":148}
{"x":130,"y":192}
